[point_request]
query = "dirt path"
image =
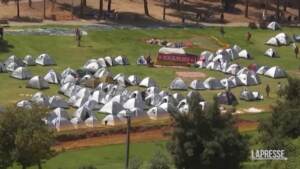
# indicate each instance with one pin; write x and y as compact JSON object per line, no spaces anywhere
{"x":150,"y":135}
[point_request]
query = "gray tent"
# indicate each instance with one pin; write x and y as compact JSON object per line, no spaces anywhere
{"x":101,"y":62}
{"x":45,"y":60}
{"x":14,"y":59}
{"x":227,"y":98}
{"x":68,"y":71}
{"x":52,"y":77}
{"x":2,"y":68}
{"x":273,"y":42}
{"x":273,"y":26}
{"x":197,"y":85}
{"x":156,"y":112}
{"x":271,"y":53}
{"x":262,"y":70}
{"x":57,"y":101}
{"x":109,"y":61}
{"x":250,"y":95}
{"x":26,"y":104}
{"x":178,"y":84}
{"x":11,"y":66}
{"x":91,"y":65}
{"x":213,"y":83}
{"x":21,"y":73}
{"x":29,"y":60}
{"x":37,"y":82}
{"x":40,"y":99}
{"x":133,"y":80}
{"x":111,"y":107}
{"x":249,"y":79}
{"x":82,"y":112}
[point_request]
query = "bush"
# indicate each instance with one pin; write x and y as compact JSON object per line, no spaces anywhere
{"x":159,"y":161}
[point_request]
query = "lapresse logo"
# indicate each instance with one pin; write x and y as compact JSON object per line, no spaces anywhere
{"x":268,"y":155}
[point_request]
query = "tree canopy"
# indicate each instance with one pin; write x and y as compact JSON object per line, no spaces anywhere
{"x":206,"y":139}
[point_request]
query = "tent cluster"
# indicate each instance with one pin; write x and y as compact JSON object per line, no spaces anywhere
{"x":93,"y":65}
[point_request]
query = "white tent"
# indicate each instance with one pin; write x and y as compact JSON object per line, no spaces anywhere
{"x":60,"y":112}
{"x":250,"y":95}
{"x":14,"y":59}
{"x":232,"y":53}
{"x":283,"y":39}
{"x":52,"y":77}
{"x":141,"y":61}
{"x":109,"y":61}
{"x":37,"y":82}
{"x":91,"y":121}
{"x":97,"y":96}
{"x":11,"y":66}
{"x":275,"y":72}
{"x":213,"y":83}
{"x":68,"y":79}
{"x":214,"y":66}
{"x":156,"y":112}
{"x":40,"y":99}
{"x":45,"y":60}
{"x":111,"y":107}
{"x":197,"y":85}
{"x":271,"y":53}
{"x":262,"y":70}
{"x":147,"y":82}
{"x":233,"y":69}
{"x":133,"y":80}
{"x":121,"y":60}
{"x":222,"y":58}
{"x":21,"y":73}
{"x":101,"y":62}
{"x":153,"y":99}
{"x":249,"y":79}
{"x":183,"y":106}
{"x":134,"y":103}
{"x":244,"y":70}
{"x":82,"y":112}
{"x":273,"y":42}
{"x":273,"y":26}
{"x":60,"y":122}
{"x":207,"y":56}
{"x":29,"y":60}
{"x":178,"y":84}
{"x":235,"y":80}
{"x":91,"y":65}
{"x":244,"y":54}
{"x":103,"y":72}
{"x":57,"y":101}
{"x":68,"y":71}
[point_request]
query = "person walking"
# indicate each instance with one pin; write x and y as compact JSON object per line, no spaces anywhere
{"x":268,"y":90}
{"x":78,"y":36}
{"x":248,"y":36}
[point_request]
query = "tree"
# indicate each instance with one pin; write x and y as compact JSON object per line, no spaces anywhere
{"x":109,"y":5}
{"x":100,"y":8}
{"x":159,"y":161}
{"x":278,"y":9}
{"x":31,"y":138}
{"x":206,"y":139}
{"x":285,"y":120}
{"x":146,"y":9}
{"x":30,"y":3}
{"x":81,"y":8}
{"x":164,"y":10}
{"x":44,"y":11}
{"x":228,"y":4}
{"x":246,"y":8}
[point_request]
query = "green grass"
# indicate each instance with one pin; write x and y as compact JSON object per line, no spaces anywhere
{"x":131,"y":43}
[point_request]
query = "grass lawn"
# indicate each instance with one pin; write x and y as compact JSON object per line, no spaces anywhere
{"x":112,"y":156}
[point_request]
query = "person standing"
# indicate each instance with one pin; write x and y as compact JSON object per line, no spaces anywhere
{"x":222,"y":31}
{"x":78,"y":36}
{"x":279,"y":89}
{"x":2,"y":32}
{"x":296,"y":50}
{"x":268,"y":90}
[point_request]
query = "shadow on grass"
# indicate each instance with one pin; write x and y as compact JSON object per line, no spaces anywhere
{"x":5,"y":46}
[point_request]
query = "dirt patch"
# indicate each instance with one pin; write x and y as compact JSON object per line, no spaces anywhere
{"x":191,"y":75}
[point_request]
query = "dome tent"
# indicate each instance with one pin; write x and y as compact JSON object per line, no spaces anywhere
{"x":14,"y":59}
{"x":178,"y":84}
{"x":37,"y":82}
{"x":21,"y":73}
{"x":275,"y":72}
{"x":250,"y":96}
{"x":112,"y":107}
{"x":133,"y":80}
{"x":156,"y":112}
{"x":213,"y":83}
{"x":272,"y":42}
{"x":44,"y":60}
{"x":273,"y":26}
{"x":271,"y":53}
{"x":29,"y":60}
{"x":262,"y":70}
{"x":147,"y":82}
{"x":52,"y":77}
{"x":227,"y":98}
{"x":197,"y":85}
{"x":57,"y":101}
{"x":244,"y":54}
